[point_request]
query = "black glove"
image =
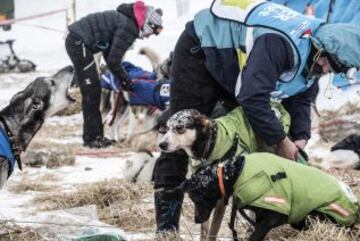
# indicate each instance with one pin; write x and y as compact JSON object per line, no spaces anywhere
{"x":125,"y":82}
{"x":127,"y":85}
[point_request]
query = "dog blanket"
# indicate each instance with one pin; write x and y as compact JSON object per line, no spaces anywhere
{"x":146,"y":90}
{"x":271,"y":182}
{"x":235,"y":125}
{"x":6,"y":151}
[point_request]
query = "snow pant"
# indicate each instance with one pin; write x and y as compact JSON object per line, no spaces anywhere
{"x":88,"y":78}
{"x":192,"y":86}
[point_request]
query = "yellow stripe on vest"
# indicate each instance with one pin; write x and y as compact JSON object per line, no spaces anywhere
{"x":243,"y":4}
{"x":242,"y":58}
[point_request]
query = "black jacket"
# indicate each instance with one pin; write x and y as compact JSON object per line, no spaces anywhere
{"x":111,"y":32}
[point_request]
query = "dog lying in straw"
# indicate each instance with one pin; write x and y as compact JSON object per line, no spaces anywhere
{"x":279,"y":191}
{"x":344,"y":155}
{"x":206,"y":140}
{"x":27,"y":111}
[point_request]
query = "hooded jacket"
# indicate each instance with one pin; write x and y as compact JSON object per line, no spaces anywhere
{"x":112,"y":32}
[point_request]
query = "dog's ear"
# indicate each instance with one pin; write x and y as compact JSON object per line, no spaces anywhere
{"x":203,"y":121}
{"x":20,"y":101}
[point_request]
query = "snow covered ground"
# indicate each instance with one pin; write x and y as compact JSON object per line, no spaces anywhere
{"x":46,"y":49}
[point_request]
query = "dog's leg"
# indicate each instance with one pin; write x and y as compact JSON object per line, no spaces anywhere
{"x":216,"y":220}
{"x":204,"y":230}
{"x":132,"y":124}
{"x":120,"y":123}
{"x":265,"y":221}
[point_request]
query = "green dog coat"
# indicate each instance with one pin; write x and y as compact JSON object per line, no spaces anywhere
{"x":235,"y":125}
{"x":274,"y":183}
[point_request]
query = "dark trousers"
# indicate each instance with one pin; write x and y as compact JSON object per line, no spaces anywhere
{"x":87,"y":76}
{"x":192,"y":86}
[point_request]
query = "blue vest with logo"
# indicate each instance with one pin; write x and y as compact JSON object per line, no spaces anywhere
{"x":265,"y":17}
{"x":331,"y":11}
{"x":6,"y":152}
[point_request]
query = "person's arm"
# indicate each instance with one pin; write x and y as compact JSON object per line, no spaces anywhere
{"x":271,"y":55}
{"x":123,"y":37}
{"x":299,"y":108}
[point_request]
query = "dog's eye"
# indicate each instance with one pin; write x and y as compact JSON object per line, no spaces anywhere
{"x":36,"y":104}
{"x":162,"y":129}
{"x":52,"y":82}
{"x":179,"y":129}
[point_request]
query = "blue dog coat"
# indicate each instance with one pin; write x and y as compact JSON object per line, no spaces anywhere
{"x":146,"y":90}
{"x":6,"y":151}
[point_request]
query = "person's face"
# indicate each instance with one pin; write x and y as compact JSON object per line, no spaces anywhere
{"x":147,"y":35}
{"x":323,"y":67}
{"x":156,"y":31}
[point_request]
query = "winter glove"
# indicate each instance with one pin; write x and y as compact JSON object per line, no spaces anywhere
{"x":127,"y":84}
{"x":108,"y":81}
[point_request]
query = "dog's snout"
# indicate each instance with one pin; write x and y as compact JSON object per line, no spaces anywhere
{"x":164,"y":145}
{"x":70,"y":68}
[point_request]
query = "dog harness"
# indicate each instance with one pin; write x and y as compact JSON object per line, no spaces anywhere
{"x":6,"y":151}
{"x":271,"y":182}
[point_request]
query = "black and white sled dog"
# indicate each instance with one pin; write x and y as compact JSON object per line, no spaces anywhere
{"x":197,"y":135}
{"x":221,"y":180}
{"x":27,"y":111}
{"x":122,"y":108}
{"x":344,"y":155}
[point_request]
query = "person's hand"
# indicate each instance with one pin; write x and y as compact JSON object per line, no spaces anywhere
{"x":300,"y":143}
{"x":127,"y":85}
{"x":287,"y":149}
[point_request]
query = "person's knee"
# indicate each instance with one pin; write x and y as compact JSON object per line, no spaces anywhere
{"x":170,"y":170}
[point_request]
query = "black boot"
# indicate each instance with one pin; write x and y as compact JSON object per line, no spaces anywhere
{"x":167,"y":208}
{"x":99,"y":142}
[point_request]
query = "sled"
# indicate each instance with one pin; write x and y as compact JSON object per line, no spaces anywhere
{"x":11,"y":62}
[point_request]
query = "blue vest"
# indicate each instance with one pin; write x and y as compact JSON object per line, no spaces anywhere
{"x":341,"y":12}
{"x":267,"y":17}
{"x":6,"y":152}
{"x":298,"y":5}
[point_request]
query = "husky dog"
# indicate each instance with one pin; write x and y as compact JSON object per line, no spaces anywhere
{"x":131,"y":108}
{"x":162,"y":69}
{"x":344,"y":154}
{"x":269,"y":186}
{"x":27,"y":111}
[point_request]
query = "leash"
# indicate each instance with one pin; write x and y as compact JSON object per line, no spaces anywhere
{"x":220,"y":172}
{"x":116,"y":108}
{"x":231,"y":224}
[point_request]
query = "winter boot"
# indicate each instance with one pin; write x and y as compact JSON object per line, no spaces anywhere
{"x":167,"y":208}
{"x":99,"y":142}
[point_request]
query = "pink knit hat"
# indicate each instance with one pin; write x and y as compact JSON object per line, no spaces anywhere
{"x":140,"y":13}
